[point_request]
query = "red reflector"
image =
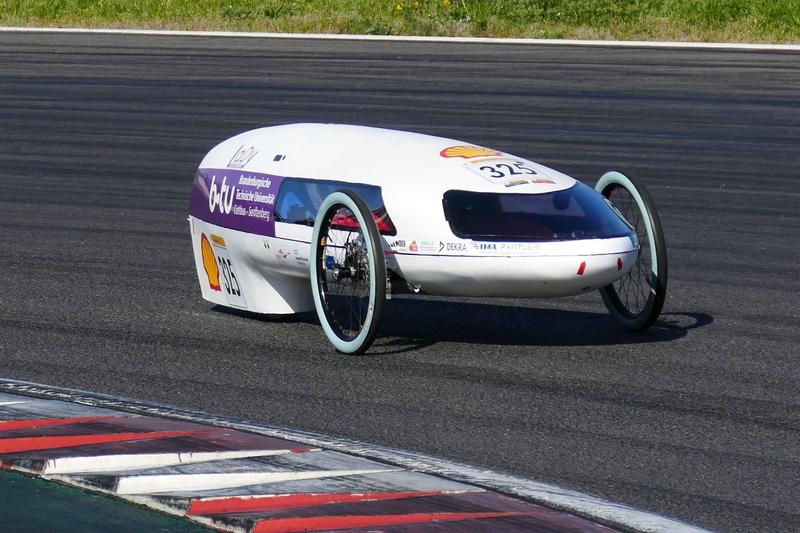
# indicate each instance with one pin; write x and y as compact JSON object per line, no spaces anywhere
{"x":619,"y":263}
{"x":582,"y":268}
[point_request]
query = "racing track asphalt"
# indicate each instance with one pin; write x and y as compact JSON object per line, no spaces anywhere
{"x":698,"y":419}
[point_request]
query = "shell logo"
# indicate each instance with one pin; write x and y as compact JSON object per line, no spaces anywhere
{"x":468,"y":152}
{"x":209,"y":263}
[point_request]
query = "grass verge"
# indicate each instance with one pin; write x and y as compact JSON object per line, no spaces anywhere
{"x":774,"y":21}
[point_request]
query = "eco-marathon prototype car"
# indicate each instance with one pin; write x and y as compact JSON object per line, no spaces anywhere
{"x":362,"y":212}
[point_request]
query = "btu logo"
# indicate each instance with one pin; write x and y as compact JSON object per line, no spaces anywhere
{"x":222,"y":198}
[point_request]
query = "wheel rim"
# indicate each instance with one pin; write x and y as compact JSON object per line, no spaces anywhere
{"x":345,"y":273}
{"x":635,"y":289}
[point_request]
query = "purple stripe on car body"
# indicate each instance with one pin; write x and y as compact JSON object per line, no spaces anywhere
{"x":236,"y":199}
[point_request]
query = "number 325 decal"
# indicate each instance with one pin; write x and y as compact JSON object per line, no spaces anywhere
{"x":230,"y":281}
{"x":219,"y":269}
{"x":506,"y":169}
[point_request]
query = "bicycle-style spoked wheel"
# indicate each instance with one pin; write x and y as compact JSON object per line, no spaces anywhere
{"x":636,"y":299}
{"x":348,"y":272}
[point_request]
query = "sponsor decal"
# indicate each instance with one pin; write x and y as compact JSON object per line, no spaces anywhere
{"x":216,"y":262}
{"x":242,"y":156}
{"x":256,"y":196}
{"x":436,"y":246}
{"x":468,"y":247}
{"x":282,"y":254}
{"x":300,"y":258}
{"x":398,"y":244}
{"x":509,"y":248}
{"x":486,"y":248}
{"x":505,"y":248}
{"x":429,"y":246}
{"x":452,"y":246}
{"x":237,"y":200}
{"x":220,"y":198}
{"x":209,"y":263}
{"x":468,"y":152}
{"x":508,"y":171}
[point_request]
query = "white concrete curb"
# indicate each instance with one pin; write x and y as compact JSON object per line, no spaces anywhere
{"x":121,"y":463}
{"x":419,"y":39}
{"x":609,"y":513}
{"x":154,"y":484}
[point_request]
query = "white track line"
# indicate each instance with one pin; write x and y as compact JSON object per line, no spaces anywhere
{"x":419,"y":39}
{"x":153,"y":484}
{"x":610,"y":513}
{"x":125,"y":462}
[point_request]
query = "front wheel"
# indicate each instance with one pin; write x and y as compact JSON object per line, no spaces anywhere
{"x":348,"y":272}
{"x":636,"y":299}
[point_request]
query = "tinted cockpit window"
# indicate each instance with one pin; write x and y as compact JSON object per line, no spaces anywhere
{"x":579,"y":212}
{"x":299,"y":200}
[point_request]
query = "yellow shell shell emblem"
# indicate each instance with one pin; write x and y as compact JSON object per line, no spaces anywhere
{"x":209,"y":263}
{"x":468,"y":152}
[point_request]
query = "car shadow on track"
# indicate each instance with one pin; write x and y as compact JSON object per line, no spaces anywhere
{"x":411,"y":324}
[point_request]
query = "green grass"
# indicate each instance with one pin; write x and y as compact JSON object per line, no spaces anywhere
{"x":697,"y":20}
{"x":33,"y":504}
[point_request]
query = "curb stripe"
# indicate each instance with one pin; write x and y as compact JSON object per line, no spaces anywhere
{"x":10,"y":425}
{"x":29,"y":444}
{"x":324,"y":523}
{"x":239,"y":504}
{"x":152,"y":484}
{"x":581,"y":506}
{"x":418,"y":39}
{"x":121,"y":463}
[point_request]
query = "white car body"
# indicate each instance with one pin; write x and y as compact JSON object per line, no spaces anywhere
{"x":263,"y":264}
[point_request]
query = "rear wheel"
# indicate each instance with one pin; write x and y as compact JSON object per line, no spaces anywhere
{"x":348,"y":272}
{"x":636,"y":299}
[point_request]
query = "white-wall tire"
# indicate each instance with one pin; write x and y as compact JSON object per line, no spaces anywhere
{"x":370,"y":273}
{"x":636,"y":299}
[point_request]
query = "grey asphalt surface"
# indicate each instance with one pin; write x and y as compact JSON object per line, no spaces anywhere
{"x":697,"y":419}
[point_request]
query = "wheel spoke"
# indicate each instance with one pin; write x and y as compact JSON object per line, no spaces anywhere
{"x":636,"y":299}
{"x":633,"y":290}
{"x":347,"y":279}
